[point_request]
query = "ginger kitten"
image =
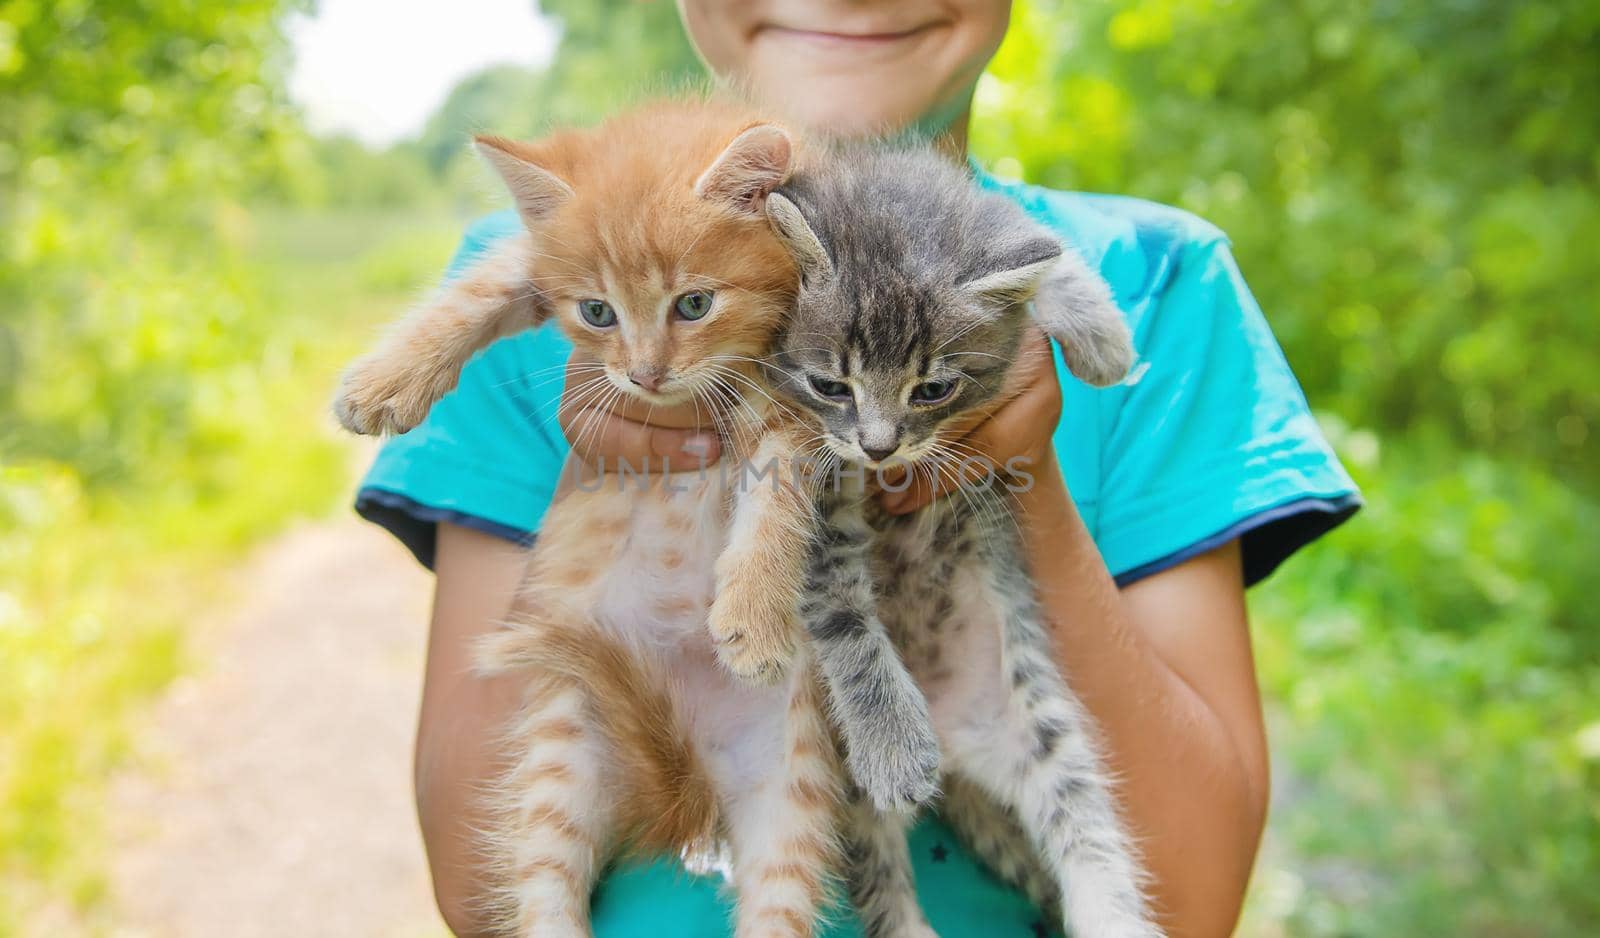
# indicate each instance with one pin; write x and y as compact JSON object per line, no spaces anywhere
{"x":669,"y":702}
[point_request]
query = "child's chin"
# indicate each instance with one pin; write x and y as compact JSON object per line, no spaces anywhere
{"x":835,"y":103}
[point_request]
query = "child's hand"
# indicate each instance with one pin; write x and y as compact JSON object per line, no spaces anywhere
{"x":1018,"y":425}
{"x":605,"y":429}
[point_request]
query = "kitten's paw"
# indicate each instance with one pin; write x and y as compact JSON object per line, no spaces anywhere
{"x":899,"y":769}
{"x":375,"y":399}
{"x":754,"y":640}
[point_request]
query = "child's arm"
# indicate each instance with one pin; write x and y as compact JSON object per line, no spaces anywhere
{"x":463,"y":715}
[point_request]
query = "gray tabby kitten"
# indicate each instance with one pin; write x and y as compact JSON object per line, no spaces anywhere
{"x":915,"y":296}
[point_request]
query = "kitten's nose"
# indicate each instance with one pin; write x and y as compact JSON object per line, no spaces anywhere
{"x":649,"y":377}
{"x":879,"y":454}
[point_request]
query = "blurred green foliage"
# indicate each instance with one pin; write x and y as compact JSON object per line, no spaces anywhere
{"x":1411,"y":191}
{"x":164,"y":355}
{"x":1433,"y":678}
{"x":1410,"y":185}
{"x":1410,"y":188}
{"x":129,"y":133}
{"x":612,"y":52}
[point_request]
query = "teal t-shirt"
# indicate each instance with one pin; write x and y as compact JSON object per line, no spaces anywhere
{"x":1208,"y":440}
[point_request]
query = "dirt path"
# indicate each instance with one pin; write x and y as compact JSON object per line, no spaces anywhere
{"x":273,"y":792}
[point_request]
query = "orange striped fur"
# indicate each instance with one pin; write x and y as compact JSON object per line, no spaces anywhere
{"x":650,"y":724}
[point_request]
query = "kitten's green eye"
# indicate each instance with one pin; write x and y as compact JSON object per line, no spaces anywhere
{"x":932,"y":392}
{"x":833,"y":390}
{"x":597,"y":313}
{"x":693,"y":305}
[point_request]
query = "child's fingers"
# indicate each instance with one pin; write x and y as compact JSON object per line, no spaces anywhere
{"x":605,"y":439}
{"x":1024,"y":425}
{"x":921,"y":491}
{"x":684,"y":450}
{"x":903,"y":500}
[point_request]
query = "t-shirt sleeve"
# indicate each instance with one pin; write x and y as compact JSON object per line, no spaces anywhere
{"x":1210,"y":438}
{"x":489,"y":453}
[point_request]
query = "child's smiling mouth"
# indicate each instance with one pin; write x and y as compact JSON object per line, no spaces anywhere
{"x":852,"y":42}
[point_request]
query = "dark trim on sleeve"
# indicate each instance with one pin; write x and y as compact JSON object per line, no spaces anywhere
{"x":417,"y":525}
{"x":1266,"y":539}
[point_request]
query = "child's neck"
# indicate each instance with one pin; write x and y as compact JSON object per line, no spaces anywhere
{"x":953,"y":141}
{"x":945,"y":129}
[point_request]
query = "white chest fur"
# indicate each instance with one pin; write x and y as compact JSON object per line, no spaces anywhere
{"x":654,"y":598}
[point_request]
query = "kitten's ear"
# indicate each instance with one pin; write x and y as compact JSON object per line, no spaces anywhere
{"x":537,"y":191}
{"x":748,"y":169}
{"x":796,"y":234}
{"x":1074,"y":306}
{"x":1014,"y":276}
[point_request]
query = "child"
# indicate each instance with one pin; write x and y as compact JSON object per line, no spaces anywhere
{"x":1189,"y":482}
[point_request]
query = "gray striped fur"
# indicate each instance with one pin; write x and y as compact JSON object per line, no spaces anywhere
{"x":911,"y":275}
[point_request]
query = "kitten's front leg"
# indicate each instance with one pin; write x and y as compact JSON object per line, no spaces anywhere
{"x":390,"y":389}
{"x":890,"y":745}
{"x":752,"y":619}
